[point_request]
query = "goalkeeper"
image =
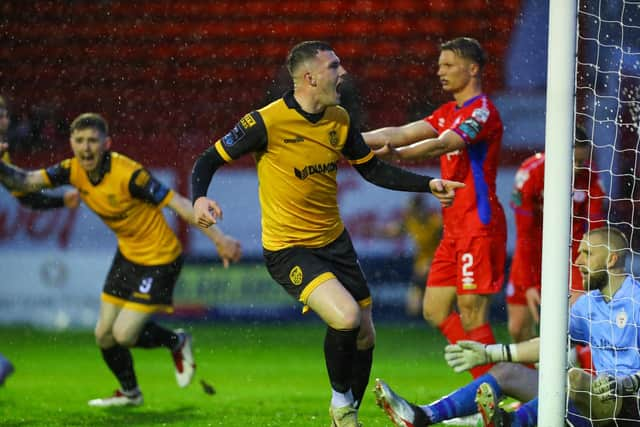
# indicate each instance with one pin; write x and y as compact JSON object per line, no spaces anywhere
{"x":607,"y":318}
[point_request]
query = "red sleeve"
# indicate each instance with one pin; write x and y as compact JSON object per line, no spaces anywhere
{"x":433,"y":118}
{"x":596,"y":203}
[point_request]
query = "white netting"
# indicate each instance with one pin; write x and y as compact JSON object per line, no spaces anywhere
{"x":608,"y":108}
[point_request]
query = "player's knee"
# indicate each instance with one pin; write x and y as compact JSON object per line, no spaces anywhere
{"x":103,"y":337}
{"x":124,"y":337}
{"x":366,"y":340}
{"x":472,"y":316}
{"x":345,"y":320}
{"x":434,"y":315}
{"x":518,"y":331}
{"x":501,"y":372}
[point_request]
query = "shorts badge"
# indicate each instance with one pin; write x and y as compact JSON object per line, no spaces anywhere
{"x":295,"y":275}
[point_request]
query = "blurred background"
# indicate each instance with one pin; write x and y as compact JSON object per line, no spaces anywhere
{"x":173,"y":76}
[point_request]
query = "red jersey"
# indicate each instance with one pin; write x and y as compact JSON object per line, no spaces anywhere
{"x":588,"y":203}
{"x":527,"y":204}
{"x":476,"y":210}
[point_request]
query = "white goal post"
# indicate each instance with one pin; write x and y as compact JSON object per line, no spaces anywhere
{"x":556,"y":234}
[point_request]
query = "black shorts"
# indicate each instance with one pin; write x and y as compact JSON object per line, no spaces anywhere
{"x":300,"y":270}
{"x":141,"y":287}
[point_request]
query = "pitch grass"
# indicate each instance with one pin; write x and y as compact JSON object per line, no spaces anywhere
{"x":264,"y":375}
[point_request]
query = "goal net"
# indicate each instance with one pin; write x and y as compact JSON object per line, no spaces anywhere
{"x":607,"y":107}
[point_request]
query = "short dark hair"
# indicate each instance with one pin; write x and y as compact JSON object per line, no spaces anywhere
{"x":466,"y":47}
{"x":615,"y":240}
{"x":303,"y":52}
{"x":581,"y":138}
{"x":90,"y":120}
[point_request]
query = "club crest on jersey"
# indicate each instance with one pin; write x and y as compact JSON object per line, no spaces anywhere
{"x":235,"y":135}
{"x":480,"y":114}
{"x":296,"y":276}
{"x":621,"y":319}
{"x":333,"y":138}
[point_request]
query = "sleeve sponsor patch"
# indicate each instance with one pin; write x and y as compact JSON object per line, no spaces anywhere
{"x":145,"y":187}
{"x":235,"y":135}
{"x":247,"y":121}
{"x":480,"y":114}
{"x":142,"y":178}
{"x":470,"y":127}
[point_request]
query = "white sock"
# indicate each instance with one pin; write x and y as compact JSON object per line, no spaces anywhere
{"x":338,"y":400}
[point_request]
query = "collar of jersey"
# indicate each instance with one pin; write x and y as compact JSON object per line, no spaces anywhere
{"x":105,"y":167}
{"x":468,"y":101}
{"x":291,"y":102}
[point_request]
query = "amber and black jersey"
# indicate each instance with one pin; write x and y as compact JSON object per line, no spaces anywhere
{"x":129,"y":200}
{"x":297,"y":157}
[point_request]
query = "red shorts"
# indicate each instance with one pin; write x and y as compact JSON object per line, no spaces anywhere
{"x":515,"y":293}
{"x":474,"y":265}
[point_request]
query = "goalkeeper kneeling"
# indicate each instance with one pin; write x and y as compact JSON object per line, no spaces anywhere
{"x":607,"y":317}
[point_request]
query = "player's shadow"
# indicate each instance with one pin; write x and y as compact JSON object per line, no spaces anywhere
{"x":124,"y":417}
{"x":146,"y":417}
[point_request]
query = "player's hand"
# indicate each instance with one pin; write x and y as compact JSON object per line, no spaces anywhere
{"x":229,"y":250}
{"x":533,"y":302}
{"x":465,"y":355}
{"x":608,"y":387}
{"x":206,"y":212}
{"x":4,"y":147}
{"x":387,"y":153}
{"x":445,"y":190}
{"x":71,"y":199}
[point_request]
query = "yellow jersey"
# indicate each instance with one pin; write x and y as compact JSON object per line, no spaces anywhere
{"x":129,"y":200}
{"x":297,"y":157}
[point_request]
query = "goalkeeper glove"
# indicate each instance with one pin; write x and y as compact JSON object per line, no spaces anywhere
{"x":465,"y":355}
{"x":608,"y":387}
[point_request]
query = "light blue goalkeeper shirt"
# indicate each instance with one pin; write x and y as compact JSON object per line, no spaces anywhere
{"x":611,"y":328}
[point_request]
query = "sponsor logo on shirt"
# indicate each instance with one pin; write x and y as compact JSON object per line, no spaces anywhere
{"x":142,"y":178}
{"x":247,"y":121}
{"x":314,"y":169}
{"x":293,"y":140}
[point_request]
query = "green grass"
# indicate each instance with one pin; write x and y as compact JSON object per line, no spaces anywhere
{"x":264,"y":375}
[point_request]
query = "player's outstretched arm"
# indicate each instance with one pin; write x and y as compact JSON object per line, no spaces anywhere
{"x":465,"y":355}
{"x":229,"y":249}
{"x":17,"y":179}
{"x":398,"y":136}
{"x":448,"y":142}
